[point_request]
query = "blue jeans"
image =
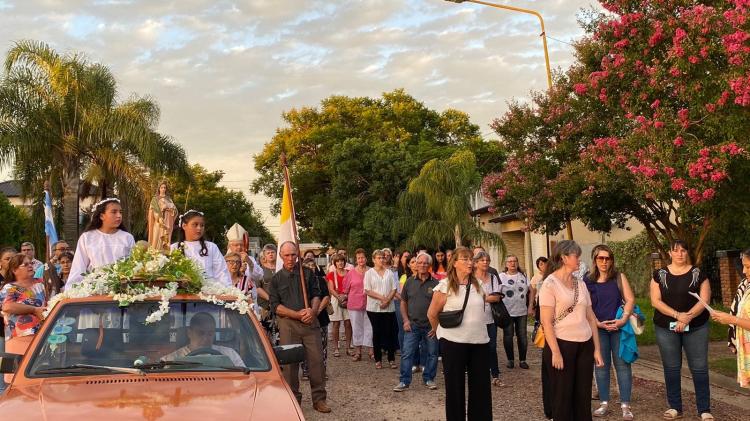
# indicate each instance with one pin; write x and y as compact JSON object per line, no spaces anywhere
{"x":695,"y":344}
{"x":492,"y":344}
{"x":609,"y":344}
{"x":400,"y":323}
{"x":412,"y":342}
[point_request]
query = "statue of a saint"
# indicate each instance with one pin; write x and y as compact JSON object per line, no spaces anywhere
{"x":161,"y":216}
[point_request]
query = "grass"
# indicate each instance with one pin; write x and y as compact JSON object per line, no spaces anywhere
{"x":725,"y":366}
{"x":718,"y":332}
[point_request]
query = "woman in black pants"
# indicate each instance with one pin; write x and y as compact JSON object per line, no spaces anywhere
{"x":569,"y":324}
{"x":464,"y":347}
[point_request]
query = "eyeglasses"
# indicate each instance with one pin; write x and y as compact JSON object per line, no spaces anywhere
{"x":603,"y":258}
{"x":233,"y":262}
{"x":26,"y":264}
{"x":63,"y":249}
{"x":464,"y":259}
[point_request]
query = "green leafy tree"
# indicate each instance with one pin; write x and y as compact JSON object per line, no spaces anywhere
{"x":438,"y":201}
{"x":350,"y":159}
{"x":221,"y":206}
{"x":60,"y":120}
{"x":13,"y":227}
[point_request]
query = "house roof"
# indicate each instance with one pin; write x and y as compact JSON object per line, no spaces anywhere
{"x":507,"y":217}
{"x":10,"y":188}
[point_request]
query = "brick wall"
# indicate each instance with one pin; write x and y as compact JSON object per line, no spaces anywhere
{"x":729,"y":274}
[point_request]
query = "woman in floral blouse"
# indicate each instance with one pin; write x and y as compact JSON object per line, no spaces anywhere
{"x":23,"y":299}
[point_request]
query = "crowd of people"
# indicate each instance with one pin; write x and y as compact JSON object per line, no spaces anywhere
{"x":431,"y":307}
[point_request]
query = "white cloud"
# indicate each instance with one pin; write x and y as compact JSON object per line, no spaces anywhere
{"x":224,"y":71}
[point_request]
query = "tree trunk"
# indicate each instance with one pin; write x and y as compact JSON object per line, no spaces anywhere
{"x":569,"y":228}
{"x":71,"y":185}
{"x":457,"y":235}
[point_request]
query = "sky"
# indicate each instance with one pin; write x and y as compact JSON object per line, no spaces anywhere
{"x":224,"y":71}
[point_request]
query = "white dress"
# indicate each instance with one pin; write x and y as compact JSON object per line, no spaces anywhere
{"x":213,"y":264}
{"x":96,"y":249}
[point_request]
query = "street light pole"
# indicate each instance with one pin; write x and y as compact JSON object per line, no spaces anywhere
{"x":521,"y":10}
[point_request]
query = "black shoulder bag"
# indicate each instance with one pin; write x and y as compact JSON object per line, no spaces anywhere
{"x":449,"y":319}
{"x":499,"y":312}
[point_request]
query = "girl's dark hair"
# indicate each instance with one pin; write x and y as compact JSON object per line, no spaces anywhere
{"x":745,"y":253}
{"x":435,"y":264}
{"x":563,"y":248}
{"x":14,"y":263}
{"x":400,"y":266}
{"x":96,"y":216}
{"x":67,"y":254}
{"x":184,"y":219}
{"x":594,"y":274}
{"x":540,"y":260}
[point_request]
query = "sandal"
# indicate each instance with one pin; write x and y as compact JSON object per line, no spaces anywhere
{"x":357,"y":357}
{"x":372,"y":357}
{"x":393,"y":364}
{"x":672,"y":414}
{"x":707,"y":416}
{"x":378,"y":365}
{"x":350,"y":352}
{"x":496,"y":382}
{"x":336,"y":353}
{"x":602,"y":410}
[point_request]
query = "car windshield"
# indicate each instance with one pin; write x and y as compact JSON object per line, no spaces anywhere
{"x":101,"y":337}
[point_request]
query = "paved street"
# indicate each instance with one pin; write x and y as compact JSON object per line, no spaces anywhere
{"x":357,"y":391}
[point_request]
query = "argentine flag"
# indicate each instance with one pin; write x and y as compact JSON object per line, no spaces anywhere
{"x":49,"y":222}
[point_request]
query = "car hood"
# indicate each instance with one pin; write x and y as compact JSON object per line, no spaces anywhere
{"x":153,"y":397}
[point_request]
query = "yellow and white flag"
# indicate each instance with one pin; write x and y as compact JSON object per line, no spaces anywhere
{"x":287,"y":228}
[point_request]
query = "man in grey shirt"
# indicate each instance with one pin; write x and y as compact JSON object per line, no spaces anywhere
{"x":416,"y":296}
{"x":298,"y":324}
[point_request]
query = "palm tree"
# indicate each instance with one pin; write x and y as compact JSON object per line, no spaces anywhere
{"x":60,"y":120}
{"x":437,"y":204}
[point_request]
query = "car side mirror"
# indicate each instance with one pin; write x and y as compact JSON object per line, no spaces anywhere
{"x":9,"y":362}
{"x":289,"y":354}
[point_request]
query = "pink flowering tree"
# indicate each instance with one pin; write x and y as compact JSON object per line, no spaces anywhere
{"x":651,"y":123}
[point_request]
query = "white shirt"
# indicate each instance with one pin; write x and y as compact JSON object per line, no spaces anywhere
{"x":515,"y":288}
{"x":473,"y":329}
{"x":382,"y":285}
{"x":96,"y":249}
{"x":213,"y":264}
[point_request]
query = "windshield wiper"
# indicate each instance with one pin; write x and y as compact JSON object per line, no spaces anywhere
{"x":163,"y":364}
{"x":91,"y":367}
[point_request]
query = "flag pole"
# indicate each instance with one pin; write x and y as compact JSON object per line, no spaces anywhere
{"x":48,"y":251}
{"x":288,"y":187}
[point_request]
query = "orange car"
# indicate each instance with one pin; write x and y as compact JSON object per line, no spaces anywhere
{"x":95,"y":360}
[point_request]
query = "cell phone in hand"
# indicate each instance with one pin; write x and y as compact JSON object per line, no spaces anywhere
{"x":673,"y":325}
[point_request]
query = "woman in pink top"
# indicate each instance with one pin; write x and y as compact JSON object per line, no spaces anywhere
{"x":354,"y":283}
{"x":571,"y":348}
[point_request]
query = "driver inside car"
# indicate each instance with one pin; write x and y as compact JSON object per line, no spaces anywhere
{"x":201,"y":334}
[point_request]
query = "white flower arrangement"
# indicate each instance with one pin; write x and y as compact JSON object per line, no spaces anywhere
{"x":148,"y":274}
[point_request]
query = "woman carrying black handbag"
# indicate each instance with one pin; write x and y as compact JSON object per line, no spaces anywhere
{"x":493,"y":297}
{"x":460,"y":299}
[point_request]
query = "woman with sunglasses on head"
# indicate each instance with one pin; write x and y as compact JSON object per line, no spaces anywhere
{"x":195,"y":247}
{"x":681,"y":322}
{"x":22,"y":298}
{"x":610,"y":289}
{"x":463,"y":347}
{"x":571,"y":349}
{"x":104,"y":242}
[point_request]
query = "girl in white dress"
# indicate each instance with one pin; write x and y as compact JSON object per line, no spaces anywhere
{"x":195,"y":247}
{"x":104,"y":242}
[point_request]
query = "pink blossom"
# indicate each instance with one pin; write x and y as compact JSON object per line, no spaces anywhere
{"x":669,"y":171}
{"x":580,"y":88}
{"x":658,"y":124}
{"x":678,"y":141}
{"x":694,"y":60}
{"x":704,"y":152}
{"x":694,"y":195}
{"x":655,"y":104}
{"x":709,"y":193}
{"x":678,"y":184}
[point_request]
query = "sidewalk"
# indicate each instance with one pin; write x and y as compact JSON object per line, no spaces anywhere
{"x":724,"y":389}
